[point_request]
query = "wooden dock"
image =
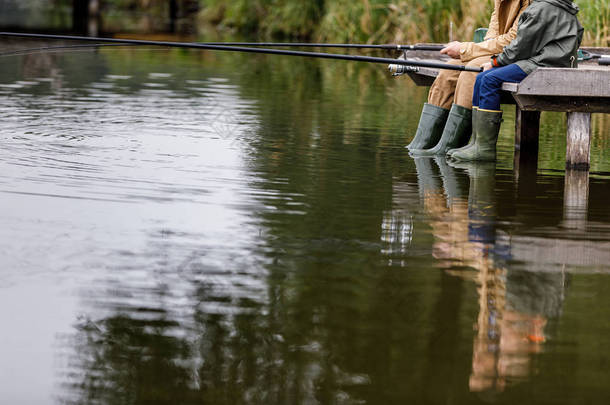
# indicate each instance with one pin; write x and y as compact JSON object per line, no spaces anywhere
{"x":577,"y":92}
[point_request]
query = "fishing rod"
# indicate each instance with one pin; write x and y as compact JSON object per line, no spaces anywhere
{"x":229,"y":48}
{"x":603,"y":59}
{"x":394,"y":47}
{"x":252,"y":44}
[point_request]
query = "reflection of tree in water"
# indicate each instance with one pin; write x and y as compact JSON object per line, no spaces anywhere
{"x":259,"y":354}
{"x":229,"y":346}
{"x":331,"y":322}
{"x":177,"y":333}
{"x":123,"y":360}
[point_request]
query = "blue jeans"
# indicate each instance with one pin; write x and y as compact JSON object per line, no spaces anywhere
{"x":488,"y":85}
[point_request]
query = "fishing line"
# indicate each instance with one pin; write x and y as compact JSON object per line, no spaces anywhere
{"x":52,"y":48}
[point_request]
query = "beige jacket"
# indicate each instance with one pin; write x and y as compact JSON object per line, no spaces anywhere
{"x":502,"y":30}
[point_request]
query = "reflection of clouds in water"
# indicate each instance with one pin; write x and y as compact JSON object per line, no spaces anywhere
{"x":166,"y":128}
{"x":147,"y":209}
{"x":210,"y":272}
{"x":176,"y":289}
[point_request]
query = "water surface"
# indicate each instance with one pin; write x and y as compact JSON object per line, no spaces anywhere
{"x":186,"y":227}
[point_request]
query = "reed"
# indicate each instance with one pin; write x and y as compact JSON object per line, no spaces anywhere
{"x":595,"y":17}
{"x":376,"y":21}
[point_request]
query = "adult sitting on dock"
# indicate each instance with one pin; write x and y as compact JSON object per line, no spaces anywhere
{"x":549,"y":35}
{"x":445,"y":121}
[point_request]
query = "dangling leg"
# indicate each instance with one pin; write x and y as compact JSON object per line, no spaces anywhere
{"x":475,"y":111}
{"x":466,"y":96}
{"x":430,"y":128}
{"x":489,"y":115}
{"x":458,"y":128}
{"x":435,"y":112}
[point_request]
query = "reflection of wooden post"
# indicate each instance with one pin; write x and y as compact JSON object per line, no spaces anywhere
{"x":579,"y":141}
{"x":576,"y":199}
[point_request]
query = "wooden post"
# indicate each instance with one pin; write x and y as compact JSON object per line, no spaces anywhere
{"x":93,"y":28}
{"x":576,"y":199}
{"x":527,"y":130}
{"x":578,"y":141}
{"x":173,"y":15}
{"x":85,"y":16}
{"x":80,"y":15}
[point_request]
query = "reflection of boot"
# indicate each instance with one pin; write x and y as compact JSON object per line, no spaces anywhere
{"x":457,"y":128}
{"x":453,"y":181}
{"x":482,"y":177}
{"x":430,"y":128}
{"x":487,"y":129}
{"x":427,"y":177}
{"x":481,"y":200}
{"x":473,"y":136}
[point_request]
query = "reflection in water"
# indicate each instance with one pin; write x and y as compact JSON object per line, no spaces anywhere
{"x":514,"y":306}
{"x":205,"y":234}
{"x":397,"y":230}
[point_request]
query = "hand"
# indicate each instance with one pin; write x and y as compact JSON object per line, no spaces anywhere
{"x":487,"y":66}
{"x":452,"y":49}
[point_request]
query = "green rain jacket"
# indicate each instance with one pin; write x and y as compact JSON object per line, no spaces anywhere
{"x":548,"y":35}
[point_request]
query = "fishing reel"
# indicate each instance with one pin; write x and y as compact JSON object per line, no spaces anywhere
{"x":399,"y":70}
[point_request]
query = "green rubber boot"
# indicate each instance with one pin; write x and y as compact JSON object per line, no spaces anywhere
{"x":487,"y":126}
{"x":457,"y":129}
{"x":473,"y":135}
{"x":430,"y":128}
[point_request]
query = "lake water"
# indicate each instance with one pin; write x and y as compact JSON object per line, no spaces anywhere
{"x":189,"y":227}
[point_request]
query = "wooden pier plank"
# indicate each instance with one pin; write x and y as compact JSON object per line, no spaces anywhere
{"x":562,"y":103}
{"x":590,"y":82}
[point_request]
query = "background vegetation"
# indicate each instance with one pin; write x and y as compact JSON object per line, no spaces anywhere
{"x":372,"y":21}
{"x":376,"y":20}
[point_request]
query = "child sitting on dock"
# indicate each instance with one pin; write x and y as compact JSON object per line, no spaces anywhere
{"x":548,"y":35}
